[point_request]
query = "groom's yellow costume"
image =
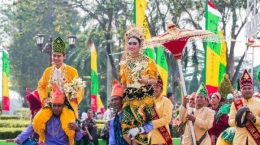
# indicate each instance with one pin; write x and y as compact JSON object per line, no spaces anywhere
{"x":60,"y":76}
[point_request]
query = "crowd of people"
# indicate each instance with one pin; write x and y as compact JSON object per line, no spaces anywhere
{"x":218,"y":122}
{"x":143,"y":115}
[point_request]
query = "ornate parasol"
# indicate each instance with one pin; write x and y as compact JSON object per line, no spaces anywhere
{"x":174,"y":40}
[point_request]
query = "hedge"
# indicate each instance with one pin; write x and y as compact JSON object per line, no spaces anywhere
{"x":23,"y":113}
{"x":14,"y":123}
{"x":101,"y":121}
{"x":9,"y":117}
{"x":8,"y":133}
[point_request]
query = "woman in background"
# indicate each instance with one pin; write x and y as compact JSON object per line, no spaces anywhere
{"x":34,"y":103}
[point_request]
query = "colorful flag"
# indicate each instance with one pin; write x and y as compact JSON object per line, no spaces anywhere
{"x":223,"y":57}
{"x":212,"y":50}
{"x":6,"y":74}
{"x":100,"y":105}
{"x":96,"y":103}
{"x":162,"y":67}
{"x":140,"y":20}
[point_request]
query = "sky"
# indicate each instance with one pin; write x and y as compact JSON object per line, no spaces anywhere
{"x":241,"y":47}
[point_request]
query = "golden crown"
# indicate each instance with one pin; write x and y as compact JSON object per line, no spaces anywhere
{"x":136,"y":31}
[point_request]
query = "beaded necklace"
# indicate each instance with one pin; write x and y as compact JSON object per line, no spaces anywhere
{"x":53,"y":132}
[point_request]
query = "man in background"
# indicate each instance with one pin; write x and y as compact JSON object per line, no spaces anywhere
{"x":170,"y":96}
{"x":108,"y":113}
{"x":90,"y":126}
{"x":160,"y":132}
{"x":230,"y":98}
{"x":202,"y":119}
{"x":84,"y":115}
{"x":243,"y":135}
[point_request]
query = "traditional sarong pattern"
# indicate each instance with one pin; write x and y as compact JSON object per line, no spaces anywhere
{"x":138,"y":108}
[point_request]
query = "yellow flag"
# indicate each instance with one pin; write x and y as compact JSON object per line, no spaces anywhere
{"x":139,"y":16}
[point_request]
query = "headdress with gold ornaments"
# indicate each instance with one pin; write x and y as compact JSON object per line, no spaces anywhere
{"x":246,"y":79}
{"x":136,"y":31}
{"x":58,"y":45}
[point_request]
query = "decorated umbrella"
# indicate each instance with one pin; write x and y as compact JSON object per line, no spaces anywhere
{"x":174,"y":40}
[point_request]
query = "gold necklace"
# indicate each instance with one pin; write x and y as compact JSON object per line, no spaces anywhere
{"x":131,"y":62}
{"x":54,"y":133}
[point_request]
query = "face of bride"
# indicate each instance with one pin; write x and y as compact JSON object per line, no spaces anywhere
{"x":133,"y":46}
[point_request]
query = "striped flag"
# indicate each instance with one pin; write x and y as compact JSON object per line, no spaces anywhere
{"x":223,"y":57}
{"x":160,"y":59}
{"x":140,"y":20}
{"x":5,"y":74}
{"x":212,"y":50}
{"x":162,"y":67}
{"x":96,"y":103}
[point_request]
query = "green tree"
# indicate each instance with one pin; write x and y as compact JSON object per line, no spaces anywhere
{"x":27,"y":20}
{"x":191,"y":13}
{"x":225,"y":87}
{"x":111,"y":18}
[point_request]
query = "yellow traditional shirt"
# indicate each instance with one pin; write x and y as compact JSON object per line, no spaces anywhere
{"x":69,"y":73}
{"x":149,"y":70}
{"x":204,"y":121}
{"x":241,"y":133}
{"x":163,"y":105}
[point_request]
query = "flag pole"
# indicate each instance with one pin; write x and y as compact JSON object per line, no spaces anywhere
{"x":185,"y":94}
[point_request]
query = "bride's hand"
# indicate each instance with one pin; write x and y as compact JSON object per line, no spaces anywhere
{"x":143,"y":81}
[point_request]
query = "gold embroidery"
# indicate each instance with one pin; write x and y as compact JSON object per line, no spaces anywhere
{"x":246,"y":76}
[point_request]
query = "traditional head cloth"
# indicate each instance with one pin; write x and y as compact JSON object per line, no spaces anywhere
{"x":230,"y":96}
{"x":58,"y":45}
{"x":160,"y":81}
{"x":57,"y":96}
{"x":34,"y":100}
{"x":202,"y":90}
{"x":134,"y":31}
{"x":117,"y":89}
{"x":246,"y":80}
{"x":192,"y":96}
{"x":217,"y":94}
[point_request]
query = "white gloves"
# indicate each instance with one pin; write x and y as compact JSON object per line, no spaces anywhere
{"x":134,"y":131}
